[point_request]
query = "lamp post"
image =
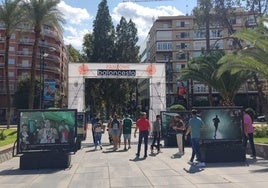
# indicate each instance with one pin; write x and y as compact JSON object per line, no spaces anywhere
{"x":189,"y":86}
{"x":42,"y":76}
{"x":43,"y":54}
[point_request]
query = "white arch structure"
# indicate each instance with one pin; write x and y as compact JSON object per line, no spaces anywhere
{"x":155,"y":72}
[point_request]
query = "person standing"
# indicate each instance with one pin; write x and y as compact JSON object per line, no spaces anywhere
{"x":248,"y":132}
{"x":93,"y":122}
{"x":127,"y":126}
{"x":48,"y":134}
{"x":216,"y":122}
{"x":143,"y":125}
{"x":115,"y":128}
{"x":195,"y":125}
{"x":179,"y":126}
{"x":97,"y":127}
{"x":156,"y":134}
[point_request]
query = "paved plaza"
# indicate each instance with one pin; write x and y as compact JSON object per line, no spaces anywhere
{"x":108,"y":169}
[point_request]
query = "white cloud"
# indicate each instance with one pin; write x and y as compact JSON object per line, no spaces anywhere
{"x":78,"y":23}
{"x":74,"y":15}
{"x":142,"y":16}
{"x":75,"y":38}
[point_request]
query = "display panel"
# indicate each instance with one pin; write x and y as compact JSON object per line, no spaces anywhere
{"x":45,"y":130}
{"x":168,"y":117}
{"x":221,"y":123}
{"x":81,"y":125}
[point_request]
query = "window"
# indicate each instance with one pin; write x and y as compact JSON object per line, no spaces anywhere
{"x":199,"y":34}
{"x":25,"y":51}
{"x":233,"y":21}
{"x":164,"y":46}
{"x":182,"y":24}
{"x":26,"y":26}
{"x":183,"y":45}
{"x":11,"y":61}
{"x":216,"y":33}
{"x":165,"y":25}
{"x":177,"y":23}
{"x":26,"y":39}
{"x":24,"y":74}
{"x":13,"y":36}
{"x":11,"y":48}
{"x":11,"y":86}
{"x":25,"y":63}
{"x":11,"y":74}
{"x":183,"y":35}
{"x":181,"y":56}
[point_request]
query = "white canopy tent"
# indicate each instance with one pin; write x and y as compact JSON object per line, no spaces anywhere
{"x":155,"y":72}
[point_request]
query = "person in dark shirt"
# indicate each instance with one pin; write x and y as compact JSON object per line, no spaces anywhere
{"x":179,"y":126}
{"x":156,"y":134}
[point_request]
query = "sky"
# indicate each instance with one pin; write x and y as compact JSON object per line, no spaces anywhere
{"x":80,"y":14}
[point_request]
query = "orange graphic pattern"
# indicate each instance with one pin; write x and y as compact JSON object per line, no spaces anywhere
{"x":151,"y":69}
{"x":83,"y":69}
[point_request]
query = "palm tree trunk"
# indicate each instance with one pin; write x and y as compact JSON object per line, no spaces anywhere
{"x":33,"y":68}
{"x":263,"y":108}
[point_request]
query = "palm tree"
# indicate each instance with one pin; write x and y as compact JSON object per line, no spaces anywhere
{"x":40,"y":13}
{"x":204,"y":69}
{"x":253,"y":57}
{"x":11,"y":15}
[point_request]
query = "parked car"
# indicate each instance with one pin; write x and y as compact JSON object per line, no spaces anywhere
{"x":261,"y":118}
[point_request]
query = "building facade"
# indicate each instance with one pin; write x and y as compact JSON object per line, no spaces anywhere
{"x":174,"y":40}
{"x":51,"y":64}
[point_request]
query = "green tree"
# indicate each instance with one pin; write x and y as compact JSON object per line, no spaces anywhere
{"x":204,"y":69}
{"x":202,"y":15}
{"x":87,"y":47}
{"x":40,"y":13}
{"x":103,"y":35}
{"x":252,"y":58}
{"x":133,"y":39}
{"x":74,"y":55}
{"x":257,"y":7}
{"x":11,"y":15}
{"x":21,"y":95}
{"x":126,"y":42}
{"x":122,"y":41}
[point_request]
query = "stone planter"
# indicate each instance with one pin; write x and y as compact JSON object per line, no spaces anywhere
{"x":261,"y":150}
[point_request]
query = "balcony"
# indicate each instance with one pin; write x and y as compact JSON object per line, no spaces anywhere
{"x":26,"y":41}
{"x":24,"y":53}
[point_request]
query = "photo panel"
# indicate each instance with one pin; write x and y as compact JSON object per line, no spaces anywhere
{"x":40,"y":130}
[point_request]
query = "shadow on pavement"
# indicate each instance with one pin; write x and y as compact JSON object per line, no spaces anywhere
{"x":16,"y":172}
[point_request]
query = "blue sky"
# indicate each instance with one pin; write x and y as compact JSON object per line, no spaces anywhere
{"x":80,"y":15}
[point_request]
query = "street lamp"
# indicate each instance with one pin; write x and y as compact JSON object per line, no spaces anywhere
{"x":43,"y":54}
{"x":190,"y":90}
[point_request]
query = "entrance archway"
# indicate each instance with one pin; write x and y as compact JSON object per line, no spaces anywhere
{"x":78,"y":72}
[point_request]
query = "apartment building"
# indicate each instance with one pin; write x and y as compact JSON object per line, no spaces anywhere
{"x":175,"y":39}
{"x":51,"y":63}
